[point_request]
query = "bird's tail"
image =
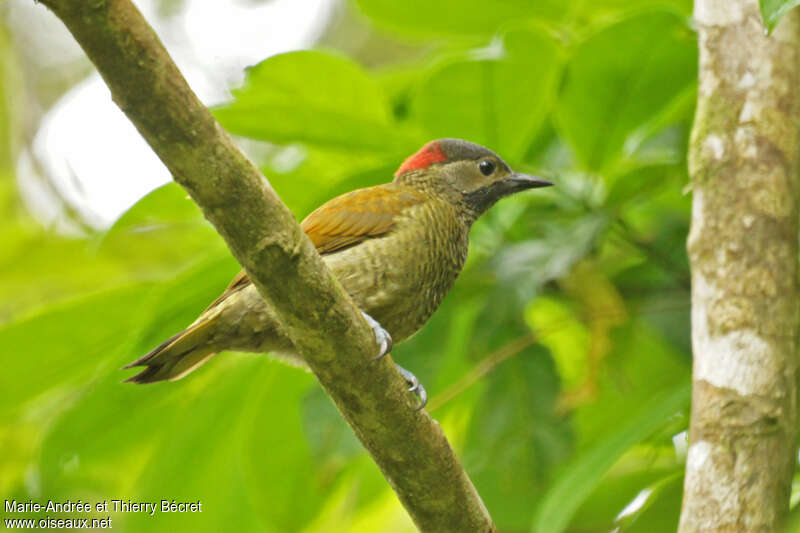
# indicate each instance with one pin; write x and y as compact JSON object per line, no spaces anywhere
{"x":178,"y":355}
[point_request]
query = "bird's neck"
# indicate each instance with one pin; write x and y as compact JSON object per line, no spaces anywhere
{"x":449,"y":226}
{"x":446,"y":200}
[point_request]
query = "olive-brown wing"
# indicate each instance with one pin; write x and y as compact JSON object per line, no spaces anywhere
{"x":347,"y":220}
{"x":356,"y":216}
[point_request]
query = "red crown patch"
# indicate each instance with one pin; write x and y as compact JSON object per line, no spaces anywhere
{"x":425,"y":157}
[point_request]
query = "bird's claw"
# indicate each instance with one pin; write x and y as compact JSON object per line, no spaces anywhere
{"x":384,"y":340}
{"x":414,"y":386}
{"x":382,"y":336}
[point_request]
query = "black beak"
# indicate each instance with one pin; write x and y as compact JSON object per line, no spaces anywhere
{"x":520,"y":182}
{"x":482,"y":199}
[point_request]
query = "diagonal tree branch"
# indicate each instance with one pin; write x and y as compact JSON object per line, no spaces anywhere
{"x":408,"y":446}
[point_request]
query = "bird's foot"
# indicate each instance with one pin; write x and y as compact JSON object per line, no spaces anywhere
{"x":384,"y":340}
{"x":382,"y":336}
{"x":414,"y":386}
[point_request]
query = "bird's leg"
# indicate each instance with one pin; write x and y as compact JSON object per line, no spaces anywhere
{"x":384,"y":340}
{"x":382,"y":336}
{"x":415,"y":386}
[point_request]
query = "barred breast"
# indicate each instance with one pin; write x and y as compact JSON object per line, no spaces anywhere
{"x":401,"y":278}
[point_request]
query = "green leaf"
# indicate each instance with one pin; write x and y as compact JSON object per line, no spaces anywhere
{"x":630,"y":380}
{"x":609,"y":10}
{"x":578,"y":479}
{"x":661,"y":509}
{"x":515,"y":438}
{"x":772,"y":11}
{"x":635,"y":399}
{"x":619,"y":80}
{"x":568,"y":342}
{"x":501,"y":103}
{"x":203,"y":438}
{"x":524,"y":267}
{"x":322,"y":174}
{"x":331,"y":440}
{"x":162,"y":234}
{"x":38,"y":268}
{"x":316,"y":98}
{"x":68,"y":343}
{"x":620,"y":487}
{"x":62,"y":342}
{"x":422,"y":18}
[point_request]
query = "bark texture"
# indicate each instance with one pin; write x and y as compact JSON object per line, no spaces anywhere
{"x":743,"y":164}
{"x":318,"y":316}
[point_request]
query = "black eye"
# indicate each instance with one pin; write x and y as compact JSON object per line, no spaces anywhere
{"x":486,"y":167}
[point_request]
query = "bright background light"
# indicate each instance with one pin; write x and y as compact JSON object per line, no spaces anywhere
{"x":89,"y":150}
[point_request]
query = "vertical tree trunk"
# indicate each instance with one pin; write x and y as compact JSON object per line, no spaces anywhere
{"x":743,"y":163}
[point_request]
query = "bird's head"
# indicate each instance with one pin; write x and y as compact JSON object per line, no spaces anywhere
{"x":464,"y":174}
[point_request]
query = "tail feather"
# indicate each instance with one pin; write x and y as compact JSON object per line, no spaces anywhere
{"x":152,"y":353}
{"x":177,"y":356}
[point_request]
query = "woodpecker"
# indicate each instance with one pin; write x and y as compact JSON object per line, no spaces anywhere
{"x":396,"y":248}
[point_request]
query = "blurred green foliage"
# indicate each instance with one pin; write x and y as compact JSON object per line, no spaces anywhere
{"x":559,"y":365}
